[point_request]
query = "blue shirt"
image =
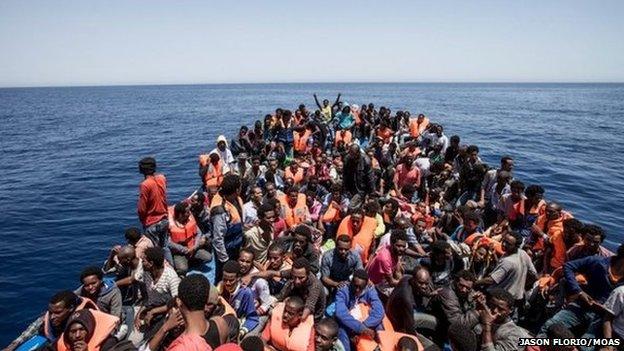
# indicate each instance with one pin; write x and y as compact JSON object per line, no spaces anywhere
{"x":596,"y":271}
{"x":338,"y":270}
{"x":346,"y":300}
{"x":345,"y":120}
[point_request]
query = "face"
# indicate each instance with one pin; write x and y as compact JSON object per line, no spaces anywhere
{"x":91,"y":285}
{"x":399,"y":247}
{"x":552,"y":212}
{"x":230,"y":280}
{"x":273,"y":165}
{"x":422,"y":282}
{"x":356,"y":222}
{"x":474,"y":156}
{"x":301,"y":242}
{"x":125,"y":260}
{"x":516,"y":193}
{"x":463,"y":287}
{"x":271,"y":191}
{"x":77,"y":332}
{"x":184,"y":216}
{"x":342,"y":248}
{"x":300,"y":277}
{"x":269,"y":217}
{"x":358,"y":286}
{"x":292,"y":315}
{"x":256,"y":194}
{"x":221,"y":145}
{"x":480,"y":254}
{"x":245,"y":261}
{"x":147,"y":265}
{"x":442,"y":258}
{"x":293,"y":196}
{"x":508,"y":165}
{"x":324,"y":338}
{"x":255,"y":163}
{"x":470,"y":226}
{"x":500,"y":307}
{"x":509,"y":243}
{"x":276,"y":259}
{"x":58,"y":313}
{"x":592,"y":242}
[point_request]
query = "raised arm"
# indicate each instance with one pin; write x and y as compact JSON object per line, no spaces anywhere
{"x":318,"y":104}
{"x":337,"y":100}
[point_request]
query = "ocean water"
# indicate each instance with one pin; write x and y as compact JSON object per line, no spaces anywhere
{"x":69,"y":179}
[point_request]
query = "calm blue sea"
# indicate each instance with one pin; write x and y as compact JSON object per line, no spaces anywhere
{"x":68,"y":183}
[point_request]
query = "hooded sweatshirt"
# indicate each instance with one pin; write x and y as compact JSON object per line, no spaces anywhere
{"x":109,"y":299}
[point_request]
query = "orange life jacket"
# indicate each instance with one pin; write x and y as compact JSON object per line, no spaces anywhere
{"x":554,"y":229}
{"x":301,"y":141}
{"x":184,"y":235}
{"x":360,"y":312}
{"x":214,"y":173}
{"x":389,"y":340}
{"x":285,"y":339}
{"x":364,"y":238}
{"x":331,"y":215}
{"x":297,"y":214}
{"x":84,"y":303}
{"x":297,"y":177}
{"x":343,"y":135}
{"x":104,"y":325}
{"x":416,"y":128}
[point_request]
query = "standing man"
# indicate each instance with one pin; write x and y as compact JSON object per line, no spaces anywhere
{"x":152,"y":205}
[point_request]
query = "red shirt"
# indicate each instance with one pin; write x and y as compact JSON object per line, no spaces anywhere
{"x":152,"y":206}
{"x":407,"y":176}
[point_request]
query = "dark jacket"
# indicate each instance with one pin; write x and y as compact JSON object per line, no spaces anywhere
{"x":358,"y":175}
{"x":401,"y":306}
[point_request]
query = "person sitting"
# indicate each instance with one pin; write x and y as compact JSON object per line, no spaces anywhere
{"x":338,"y":265}
{"x":359,"y":311}
{"x":211,"y":171}
{"x":88,"y":330}
{"x":603,"y":274}
{"x":251,"y":207}
{"x":362,"y":229}
{"x":409,"y":307}
{"x":259,"y":286}
{"x":189,"y":306}
{"x":277,"y":261}
{"x":384,"y":269}
{"x":105,"y":294}
{"x":498,"y":331}
{"x":260,"y":235}
{"x":443,"y":263}
{"x":306,"y":285}
{"x":294,"y":208}
{"x":512,"y":270}
{"x":592,"y":238}
{"x":454,"y":305}
{"x":54,"y":321}
{"x":238,"y":296}
{"x":139,"y":241}
{"x":160,"y":285}
{"x":548,"y":238}
{"x":470,"y":227}
{"x":289,"y":329}
{"x":303,"y":247}
{"x":187,"y":244}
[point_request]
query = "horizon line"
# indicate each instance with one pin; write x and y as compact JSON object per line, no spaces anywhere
{"x":104,"y":85}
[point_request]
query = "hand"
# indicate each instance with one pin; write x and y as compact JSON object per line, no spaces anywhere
{"x":486,"y":317}
{"x":584,"y":299}
{"x":138,"y":319}
{"x":202,"y":241}
{"x":115,"y":250}
{"x":342,"y":284}
{"x":80,"y":346}
{"x":174,"y":320}
{"x":148,"y":317}
{"x":479,"y":298}
{"x":369,"y":333}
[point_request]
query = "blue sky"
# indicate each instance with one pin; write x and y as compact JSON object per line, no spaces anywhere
{"x":84,"y":42}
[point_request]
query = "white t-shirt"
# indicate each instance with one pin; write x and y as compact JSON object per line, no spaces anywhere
{"x":615,"y":305}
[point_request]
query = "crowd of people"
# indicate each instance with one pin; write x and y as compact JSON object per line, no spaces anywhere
{"x":345,"y":228}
